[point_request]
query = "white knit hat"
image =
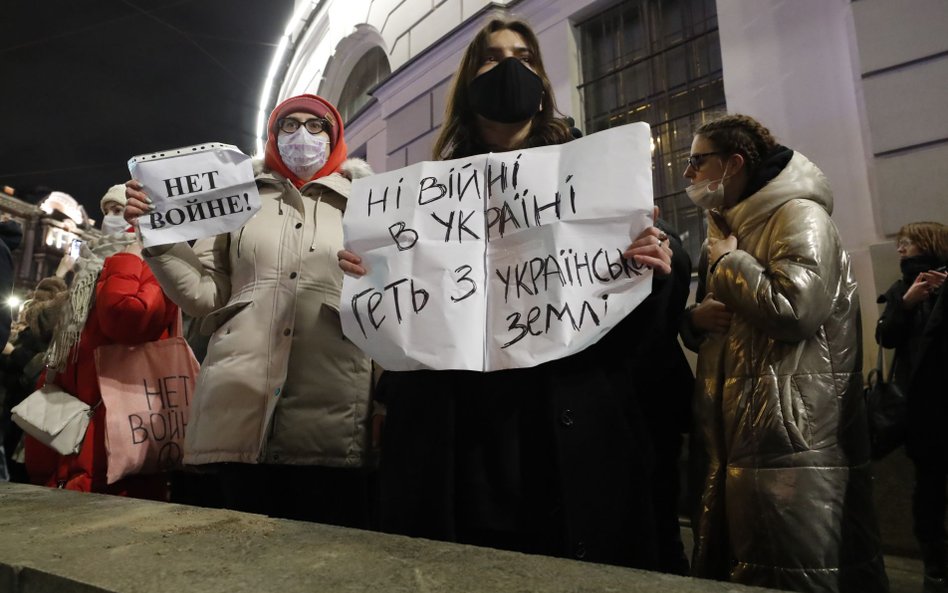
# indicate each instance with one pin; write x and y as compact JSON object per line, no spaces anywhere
{"x":115,"y":194}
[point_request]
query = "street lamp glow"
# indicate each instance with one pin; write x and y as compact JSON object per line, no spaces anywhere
{"x":301,"y":12}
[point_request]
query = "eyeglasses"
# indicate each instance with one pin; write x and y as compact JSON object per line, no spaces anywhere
{"x":905,"y":243}
{"x":313,"y":126}
{"x":695,"y":160}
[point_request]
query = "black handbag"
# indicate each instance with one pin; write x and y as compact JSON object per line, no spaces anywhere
{"x":887,"y":408}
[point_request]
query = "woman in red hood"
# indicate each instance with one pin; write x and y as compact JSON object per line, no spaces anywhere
{"x":282,"y":399}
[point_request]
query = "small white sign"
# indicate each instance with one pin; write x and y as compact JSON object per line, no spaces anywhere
{"x":198,"y":191}
{"x":501,"y":260}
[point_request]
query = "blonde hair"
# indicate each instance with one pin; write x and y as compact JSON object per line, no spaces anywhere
{"x":931,"y":238}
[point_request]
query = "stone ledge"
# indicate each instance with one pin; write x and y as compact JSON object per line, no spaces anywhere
{"x":69,"y":542}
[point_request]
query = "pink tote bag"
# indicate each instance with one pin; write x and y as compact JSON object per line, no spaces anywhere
{"x":147,"y":392}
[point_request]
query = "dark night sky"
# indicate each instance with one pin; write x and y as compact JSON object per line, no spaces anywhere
{"x":87,"y":84}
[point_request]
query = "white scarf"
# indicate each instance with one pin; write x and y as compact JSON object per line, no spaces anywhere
{"x":81,"y":297}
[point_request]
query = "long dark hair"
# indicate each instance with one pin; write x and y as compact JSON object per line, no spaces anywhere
{"x":458,"y":132}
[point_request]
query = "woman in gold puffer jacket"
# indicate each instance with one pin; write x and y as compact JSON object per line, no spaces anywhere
{"x":787,"y":500}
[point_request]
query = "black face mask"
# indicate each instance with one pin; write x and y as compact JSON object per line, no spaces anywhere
{"x":507,"y":93}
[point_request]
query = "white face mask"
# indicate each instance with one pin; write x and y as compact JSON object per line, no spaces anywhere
{"x":113,"y":223}
{"x":703,"y":196}
{"x":303,"y":153}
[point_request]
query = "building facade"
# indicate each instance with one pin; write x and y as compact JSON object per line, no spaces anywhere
{"x":49,"y":230}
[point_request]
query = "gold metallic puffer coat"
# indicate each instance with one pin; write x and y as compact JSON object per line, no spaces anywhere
{"x":787,"y":501}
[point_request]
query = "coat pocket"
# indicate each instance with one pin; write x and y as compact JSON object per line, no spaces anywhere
{"x":329,"y":315}
{"x":214,"y":320}
{"x":337,"y":345}
{"x":796,"y":414}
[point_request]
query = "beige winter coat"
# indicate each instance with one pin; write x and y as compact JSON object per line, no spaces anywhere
{"x":788,"y":499}
{"x":280,"y":384}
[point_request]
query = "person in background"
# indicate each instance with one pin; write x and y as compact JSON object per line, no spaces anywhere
{"x":10,"y":236}
{"x":113,"y":210}
{"x":114,"y":298}
{"x":282,"y":401}
{"x":112,"y":205}
{"x":787,"y":500}
{"x":556,"y":459}
{"x":22,"y":367}
{"x":915,"y":323}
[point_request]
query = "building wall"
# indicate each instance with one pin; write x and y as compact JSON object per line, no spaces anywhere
{"x":903,"y":57}
{"x":424,"y":41}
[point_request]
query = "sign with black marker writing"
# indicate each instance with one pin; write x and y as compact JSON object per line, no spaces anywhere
{"x":501,"y":260}
{"x":147,"y":393}
{"x":198,"y":191}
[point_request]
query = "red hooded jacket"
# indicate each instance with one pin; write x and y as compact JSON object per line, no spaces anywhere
{"x":129,"y":308}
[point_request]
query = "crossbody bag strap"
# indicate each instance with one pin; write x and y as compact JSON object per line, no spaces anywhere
{"x":177,"y":326}
{"x":891,"y":372}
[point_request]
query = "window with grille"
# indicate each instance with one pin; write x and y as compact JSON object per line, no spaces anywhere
{"x":657,"y":61}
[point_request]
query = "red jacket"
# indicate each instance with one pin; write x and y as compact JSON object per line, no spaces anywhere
{"x":129,"y":308}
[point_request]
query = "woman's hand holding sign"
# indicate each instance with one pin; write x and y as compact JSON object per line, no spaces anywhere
{"x":350,"y":263}
{"x":138,"y":203}
{"x":651,"y":248}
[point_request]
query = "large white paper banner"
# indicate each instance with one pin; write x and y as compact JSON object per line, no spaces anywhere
{"x":198,"y":191}
{"x":502,"y":260}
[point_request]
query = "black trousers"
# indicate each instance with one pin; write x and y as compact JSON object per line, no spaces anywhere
{"x":548,"y":460}
{"x":330,"y":495}
{"x":929,"y":500}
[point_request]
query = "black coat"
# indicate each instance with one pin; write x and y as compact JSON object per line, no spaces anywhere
{"x":920,"y":339}
{"x":19,"y":372}
{"x":557,"y":459}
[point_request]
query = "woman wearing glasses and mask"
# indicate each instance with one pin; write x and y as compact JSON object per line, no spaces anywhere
{"x":787,"y":500}
{"x":282,"y":399}
{"x":555,"y":459}
{"x":915,"y":323}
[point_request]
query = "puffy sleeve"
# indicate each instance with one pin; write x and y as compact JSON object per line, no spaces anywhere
{"x":790,"y":295}
{"x":130,"y":306}
{"x":196,"y":278}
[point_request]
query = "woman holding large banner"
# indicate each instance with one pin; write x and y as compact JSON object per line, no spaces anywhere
{"x":787,"y":500}
{"x":282,"y":400}
{"x":555,"y":459}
